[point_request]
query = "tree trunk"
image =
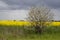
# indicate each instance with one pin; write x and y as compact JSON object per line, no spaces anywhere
{"x":38,"y":29}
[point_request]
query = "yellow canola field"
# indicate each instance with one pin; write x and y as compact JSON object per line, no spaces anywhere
{"x":55,"y":24}
{"x":11,"y":22}
{"x":23,"y":23}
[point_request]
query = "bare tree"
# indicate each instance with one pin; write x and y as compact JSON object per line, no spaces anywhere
{"x":40,"y":15}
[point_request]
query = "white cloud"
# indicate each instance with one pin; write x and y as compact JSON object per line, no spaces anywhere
{"x":22,"y":14}
{"x":13,"y":14}
{"x":56,"y":14}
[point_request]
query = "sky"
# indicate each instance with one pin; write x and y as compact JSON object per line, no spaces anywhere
{"x":18,"y":9}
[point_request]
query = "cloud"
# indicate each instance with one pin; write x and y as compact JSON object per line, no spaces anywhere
{"x":22,"y":4}
{"x":11,"y":9}
{"x":22,"y":14}
{"x":53,"y":3}
{"x":56,"y":14}
{"x":3,"y":5}
{"x":25,"y":4}
{"x":13,"y":14}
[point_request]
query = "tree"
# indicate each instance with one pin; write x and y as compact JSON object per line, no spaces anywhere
{"x":40,"y":15}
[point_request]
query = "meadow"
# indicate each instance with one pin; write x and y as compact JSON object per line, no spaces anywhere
{"x":22,"y":30}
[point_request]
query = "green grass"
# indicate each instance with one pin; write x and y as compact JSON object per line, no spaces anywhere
{"x":35,"y":37}
{"x":27,"y":33}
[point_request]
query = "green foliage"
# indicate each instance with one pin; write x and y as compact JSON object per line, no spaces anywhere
{"x":28,"y":33}
{"x":52,"y":30}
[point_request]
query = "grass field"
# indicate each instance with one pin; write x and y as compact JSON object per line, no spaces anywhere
{"x":10,"y":30}
{"x":34,"y":37}
{"x":22,"y":33}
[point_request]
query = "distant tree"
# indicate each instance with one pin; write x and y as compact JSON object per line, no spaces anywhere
{"x":40,"y":15}
{"x":14,"y":20}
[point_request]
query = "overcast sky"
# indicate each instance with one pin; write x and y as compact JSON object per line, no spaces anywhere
{"x":18,"y":9}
